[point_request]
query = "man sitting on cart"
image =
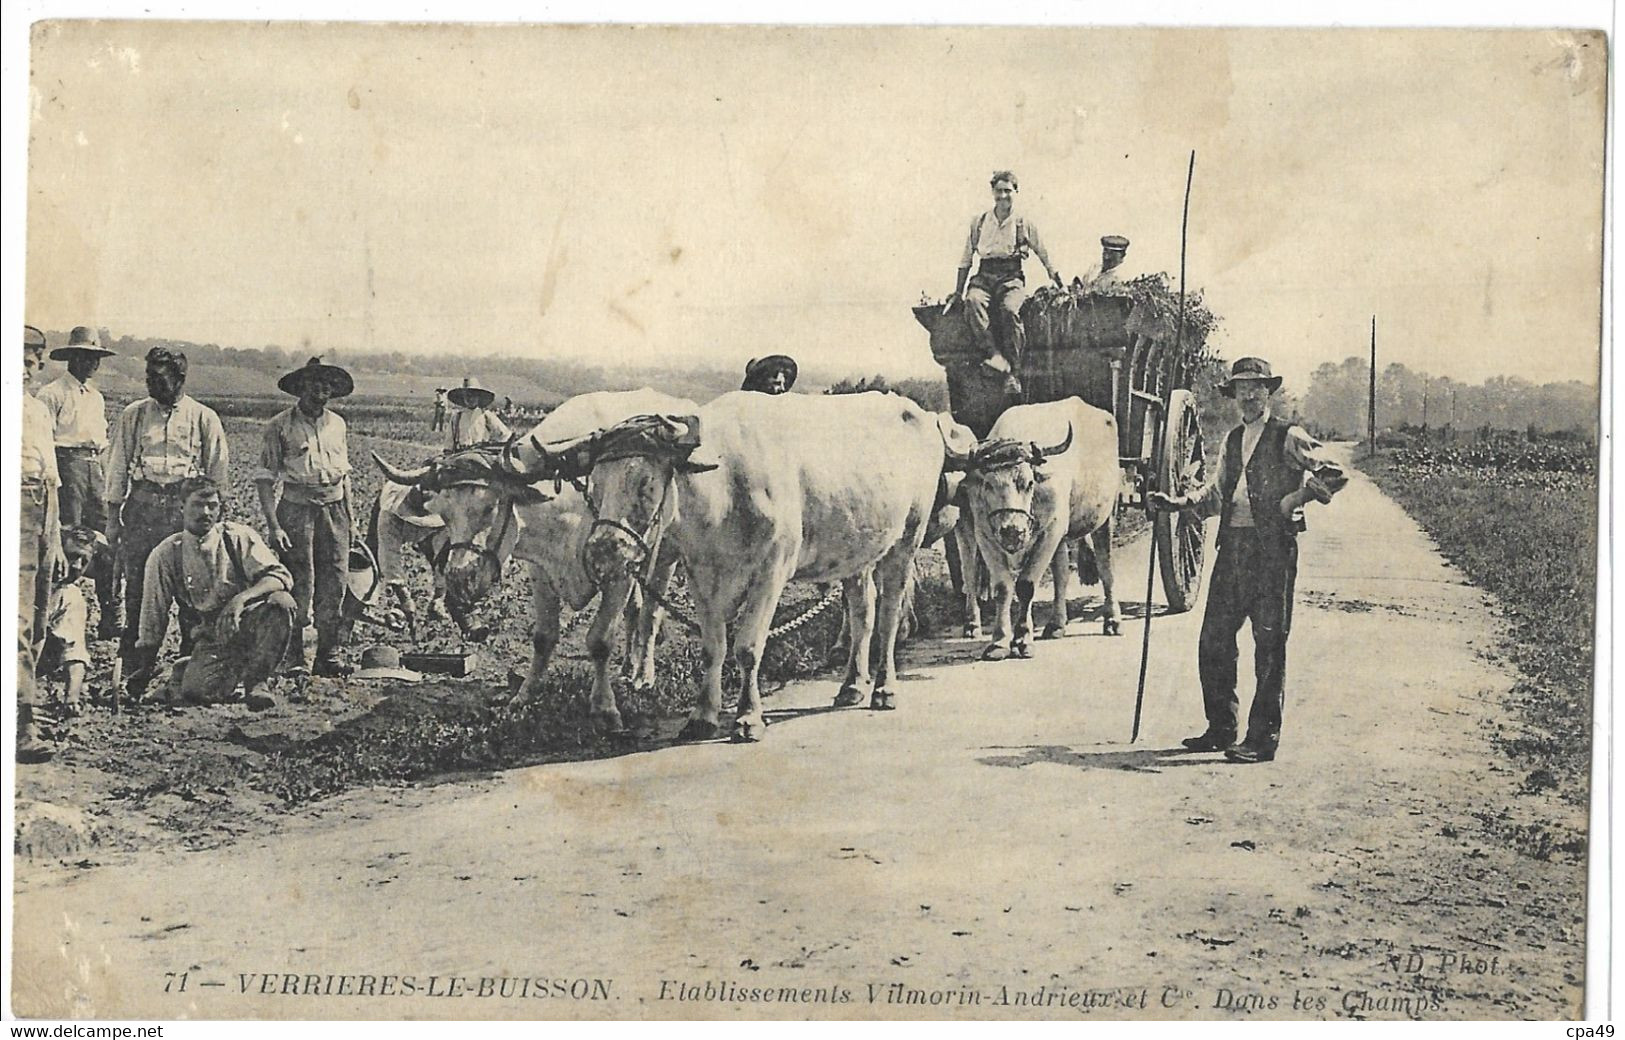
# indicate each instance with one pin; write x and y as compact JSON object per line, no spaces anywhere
{"x":1001,"y":238}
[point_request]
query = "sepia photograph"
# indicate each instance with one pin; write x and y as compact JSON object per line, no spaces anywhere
{"x":909,"y":522}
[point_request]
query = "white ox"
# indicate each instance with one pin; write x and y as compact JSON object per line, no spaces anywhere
{"x":781,"y":487}
{"x":1046,"y":475}
{"x":494,"y":507}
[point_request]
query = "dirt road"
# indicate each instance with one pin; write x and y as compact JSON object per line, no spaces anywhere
{"x":994,"y":848}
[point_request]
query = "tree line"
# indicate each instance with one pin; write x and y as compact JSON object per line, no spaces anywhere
{"x":1335,"y":403}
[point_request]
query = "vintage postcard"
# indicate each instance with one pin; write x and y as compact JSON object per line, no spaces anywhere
{"x":537,"y":522}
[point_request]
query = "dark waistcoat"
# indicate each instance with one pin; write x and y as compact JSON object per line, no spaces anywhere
{"x":1271,"y":476}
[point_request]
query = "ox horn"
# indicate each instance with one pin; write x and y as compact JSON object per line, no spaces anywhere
{"x":1045,"y":453}
{"x":397,"y":475}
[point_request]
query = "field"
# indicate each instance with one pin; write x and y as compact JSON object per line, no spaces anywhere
{"x":1519,"y":519}
{"x":200,"y":775}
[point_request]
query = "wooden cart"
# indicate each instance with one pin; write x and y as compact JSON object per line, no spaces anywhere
{"x":1118,"y":354}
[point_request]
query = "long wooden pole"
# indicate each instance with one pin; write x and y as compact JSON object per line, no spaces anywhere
{"x":1371,"y":397}
{"x":1158,"y":440}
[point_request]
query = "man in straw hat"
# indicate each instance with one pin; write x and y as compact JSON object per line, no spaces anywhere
{"x":307,"y":454}
{"x":80,"y":416}
{"x":158,"y":443}
{"x":237,"y":591}
{"x":472,"y":423}
{"x":1268,"y":470}
{"x":39,"y":545}
{"x":774,"y":374}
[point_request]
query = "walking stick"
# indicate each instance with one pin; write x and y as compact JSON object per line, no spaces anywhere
{"x":1156,"y":455}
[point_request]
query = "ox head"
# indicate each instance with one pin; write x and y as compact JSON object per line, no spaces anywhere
{"x":635,"y":465}
{"x":476,"y":499}
{"x":1002,"y":476}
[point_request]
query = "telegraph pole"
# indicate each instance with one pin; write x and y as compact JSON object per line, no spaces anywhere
{"x":1371,"y":396}
{"x":1425,"y":381}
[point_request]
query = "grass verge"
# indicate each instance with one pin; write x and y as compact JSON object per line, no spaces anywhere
{"x":1532,"y":542}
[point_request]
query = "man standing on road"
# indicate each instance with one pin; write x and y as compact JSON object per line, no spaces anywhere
{"x":39,"y":545}
{"x":79,"y":414}
{"x":223,"y":575}
{"x":159,"y":442}
{"x":1001,"y":238}
{"x":307,"y":452}
{"x":1269,"y":469}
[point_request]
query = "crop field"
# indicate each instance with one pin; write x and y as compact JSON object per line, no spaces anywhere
{"x":155,"y":774}
{"x":1519,"y":519}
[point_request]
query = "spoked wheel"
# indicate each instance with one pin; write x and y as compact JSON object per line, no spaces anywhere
{"x":1178,"y":535}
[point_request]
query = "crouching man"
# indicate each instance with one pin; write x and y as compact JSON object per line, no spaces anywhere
{"x":242,"y":595}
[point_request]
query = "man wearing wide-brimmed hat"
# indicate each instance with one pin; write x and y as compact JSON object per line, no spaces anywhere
{"x":307,"y":455}
{"x":472,"y":422}
{"x":1268,"y":470}
{"x":79,"y":414}
{"x":774,"y":374}
{"x":39,"y":545}
{"x":159,"y":442}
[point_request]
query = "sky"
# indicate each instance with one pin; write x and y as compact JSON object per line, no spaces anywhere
{"x":654,"y":196}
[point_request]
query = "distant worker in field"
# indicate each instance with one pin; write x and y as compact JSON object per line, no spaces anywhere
{"x":1267,"y":471}
{"x":39,"y":546}
{"x":306,"y":457}
{"x":1110,"y":273}
{"x":1001,"y":238}
{"x":473,"y":422}
{"x":235,"y":590}
{"x":79,"y":413}
{"x":774,"y":374}
{"x":440,"y":409}
{"x":159,"y":442}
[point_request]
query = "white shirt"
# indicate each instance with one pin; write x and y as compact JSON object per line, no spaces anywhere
{"x":994,"y":238}
{"x":1241,"y":507}
{"x":312,"y":456}
{"x":1095,"y":278}
{"x":476,"y":426}
{"x":166,"y":445}
{"x":39,"y":447}
{"x":78,"y":411}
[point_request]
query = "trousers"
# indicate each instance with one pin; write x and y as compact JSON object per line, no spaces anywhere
{"x":982,"y":294}
{"x":319,"y":560}
{"x":251,"y":656}
{"x":1251,"y":580}
{"x":33,"y":591}
{"x":149,"y":516}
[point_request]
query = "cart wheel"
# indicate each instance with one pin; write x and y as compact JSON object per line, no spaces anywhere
{"x":1179,"y":534}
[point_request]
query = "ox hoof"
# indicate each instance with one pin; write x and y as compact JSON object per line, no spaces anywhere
{"x":973,"y":631}
{"x":1021,"y":649}
{"x":849,"y":696}
{"x":748,"y":729}
{"x":1053,"y":631}
{"x":608,"y":723}
{"x":698,"y":729}
{"x":996,"y":652}
{"x":882,"y":700}
{"x":1111,"y":627}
